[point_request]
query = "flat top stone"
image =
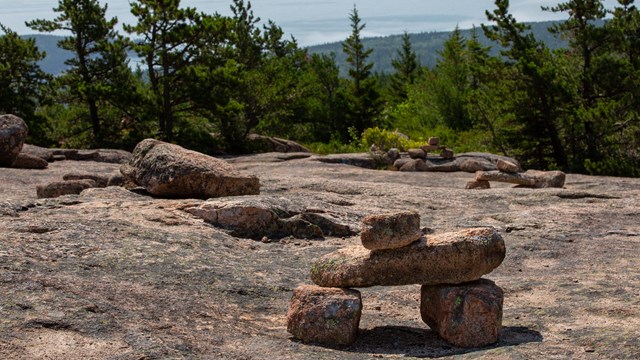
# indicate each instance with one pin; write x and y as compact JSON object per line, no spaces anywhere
{"x":448,"y":258}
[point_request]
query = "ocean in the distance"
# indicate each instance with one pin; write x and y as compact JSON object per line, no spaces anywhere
{"x":318,"y":21}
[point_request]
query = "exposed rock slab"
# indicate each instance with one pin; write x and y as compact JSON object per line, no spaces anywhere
{"x":466,"y":315}
{"x":449,"y":258}
{"x":13,"y":132}
{"x":274,"y":217}
{"x":390,"y":231}
{"x":327,"y":316}
{"x":169,"y":170}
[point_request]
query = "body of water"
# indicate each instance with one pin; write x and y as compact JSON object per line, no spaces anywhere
{"x":315,"y":22}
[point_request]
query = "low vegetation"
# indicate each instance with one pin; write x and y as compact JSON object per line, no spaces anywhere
{"x":206,"y":81}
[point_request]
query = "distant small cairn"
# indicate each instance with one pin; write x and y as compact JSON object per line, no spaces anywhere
{"x":456,"y":302}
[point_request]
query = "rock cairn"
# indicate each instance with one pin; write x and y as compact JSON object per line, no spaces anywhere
{"x":509,"y":172}
{"x":456,"y":302}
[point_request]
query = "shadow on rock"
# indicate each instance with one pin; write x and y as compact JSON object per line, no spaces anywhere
{"x":425,"y":343}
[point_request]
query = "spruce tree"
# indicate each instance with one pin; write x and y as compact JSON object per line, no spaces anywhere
{"x":406,"y":68}
{"x":363,"y":95}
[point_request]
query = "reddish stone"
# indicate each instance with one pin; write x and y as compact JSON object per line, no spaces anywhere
{"x":466,"y":315}
{"x":327,"y":316}
{"x":417,"y":153}
{"x":507,"y":166}
{"x":478,"y":184}
{"x":390,"y":231}
{"x":13,"y":132}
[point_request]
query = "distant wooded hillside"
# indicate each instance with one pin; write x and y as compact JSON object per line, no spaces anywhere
{"x":426,"y":45}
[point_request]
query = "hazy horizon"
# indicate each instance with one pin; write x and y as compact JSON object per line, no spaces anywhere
{"x":318,"y":22}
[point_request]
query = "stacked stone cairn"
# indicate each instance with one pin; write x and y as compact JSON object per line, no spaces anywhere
{"x":456,"y":302}
{"x":510,"y":173}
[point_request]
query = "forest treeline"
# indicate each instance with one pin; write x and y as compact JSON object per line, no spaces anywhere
{"x":206,"y":81}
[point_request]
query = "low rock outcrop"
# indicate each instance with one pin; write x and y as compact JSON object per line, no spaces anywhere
{"x":168,"y":170}
{"x":258,"y":216}
{"x":13,"y":132}
{"x":100,"y":180}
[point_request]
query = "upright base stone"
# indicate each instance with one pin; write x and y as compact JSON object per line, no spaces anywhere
{"x":328,"y":316}
{"x":466,"y":315}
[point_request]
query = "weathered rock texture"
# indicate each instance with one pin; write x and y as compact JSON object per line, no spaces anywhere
{"x":274,"y":217}
{"x":466,"y":315}
{"x":507,"y":166}
{"x":56,"y":189}
{"x":478,"y":184}
{"x":390,"y":231}
{"x":101,"y":180}
{"x":33,"y":150}
{"x":327,"y":316}
{"x":13,"y":132}
{"x":448,"y":258}
{"x":531,"y":178}
{"x":172,"y":171}
{"x":26,"y":161}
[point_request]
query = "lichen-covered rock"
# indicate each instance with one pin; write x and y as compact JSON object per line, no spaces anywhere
{"x":449,"y":258}
{"x":27,"y":161}
{"x":466,"y":315}
{"x":390,"y":231}
{"x":101,"y":181}
{"x":507,"y":166}
{"x":13,"y":132}
{"x":168,"y":170}
{"x":56,"y":189}
{"x":328,"y":316}
{"x":478,"y":184}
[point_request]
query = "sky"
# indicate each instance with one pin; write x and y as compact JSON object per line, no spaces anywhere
{"x":315,"y":22}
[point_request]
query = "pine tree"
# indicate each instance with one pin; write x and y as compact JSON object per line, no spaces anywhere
{"x":406,"y":67}
{"x":99,"y":60}
{"x":21,"y":79}
{"x":170,"y":39}
{"x":364,"y":97}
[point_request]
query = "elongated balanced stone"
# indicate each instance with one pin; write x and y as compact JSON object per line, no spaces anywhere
{"x":449,"y":258}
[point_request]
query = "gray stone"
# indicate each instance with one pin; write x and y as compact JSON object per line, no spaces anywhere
{"x":417,"y":153}
{"x":507,"y":166}
{"x":27,"y":161}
